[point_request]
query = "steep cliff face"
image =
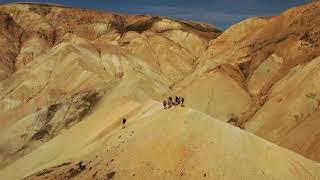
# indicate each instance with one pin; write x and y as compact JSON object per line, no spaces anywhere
{"x":69,"y":76}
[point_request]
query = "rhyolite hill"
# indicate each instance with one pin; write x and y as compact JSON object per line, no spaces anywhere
{"x":68,"y":76}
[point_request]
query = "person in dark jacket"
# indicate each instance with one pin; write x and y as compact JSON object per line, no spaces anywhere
{"x":165,"y":104}
{"x":177,"y":100}
{"x":124,"y":120}
{"x":170,"y":102}
{"x":182,"y":101}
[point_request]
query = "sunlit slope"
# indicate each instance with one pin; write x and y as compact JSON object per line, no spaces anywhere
{"x":217,"y":93}
{"x":295,"y":124}
{"x":157,"y":143}
{"x":56,"y":91}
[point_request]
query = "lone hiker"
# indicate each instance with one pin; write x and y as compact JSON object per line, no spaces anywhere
{"x":124,"y":120}
{"x":165,"y":104}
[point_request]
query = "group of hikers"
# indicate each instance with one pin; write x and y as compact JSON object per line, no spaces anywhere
{"x":168,"y":103}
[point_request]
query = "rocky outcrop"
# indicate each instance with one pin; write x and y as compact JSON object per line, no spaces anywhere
{"x":10,"y":34}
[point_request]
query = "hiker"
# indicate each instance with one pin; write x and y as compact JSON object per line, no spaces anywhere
{"x":182,"y":101}
{"x":165,"y":104}
{"x":124,"y":120}
{"x":177,"y":100}
{"x":170,"y":102}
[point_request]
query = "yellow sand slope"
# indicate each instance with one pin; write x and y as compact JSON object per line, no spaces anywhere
{"x":178,"y":143}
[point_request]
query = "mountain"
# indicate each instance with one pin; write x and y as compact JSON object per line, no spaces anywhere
{"x":261,"y":75}
{"x":69,"y":76}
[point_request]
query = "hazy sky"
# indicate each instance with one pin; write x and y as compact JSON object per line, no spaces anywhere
{"x":221,"y":13}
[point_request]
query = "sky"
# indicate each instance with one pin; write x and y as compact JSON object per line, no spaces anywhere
{"x":221,"y":13}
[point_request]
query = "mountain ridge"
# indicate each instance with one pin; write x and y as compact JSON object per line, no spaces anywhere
{"x":69,"y":76}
